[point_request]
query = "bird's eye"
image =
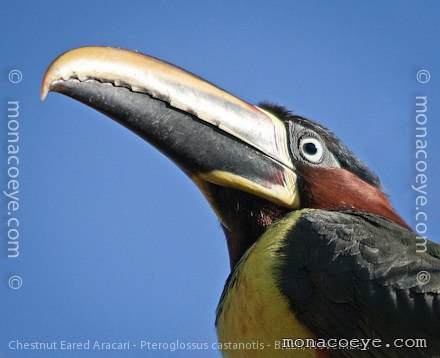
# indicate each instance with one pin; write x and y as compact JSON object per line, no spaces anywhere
{"x":311,"y":149}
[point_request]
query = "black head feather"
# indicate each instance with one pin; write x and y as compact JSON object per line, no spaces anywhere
{"x":344,"y":155}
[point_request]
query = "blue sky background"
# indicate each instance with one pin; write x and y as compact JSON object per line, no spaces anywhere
{"x":116,"y":243}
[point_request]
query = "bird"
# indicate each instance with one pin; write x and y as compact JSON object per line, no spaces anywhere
{"x":321,"y":263}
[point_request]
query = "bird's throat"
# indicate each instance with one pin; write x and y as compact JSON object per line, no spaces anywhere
{"x":244,"y":218}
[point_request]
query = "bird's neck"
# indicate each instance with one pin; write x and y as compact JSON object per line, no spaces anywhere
{"x":343,"y":191}
{"x":246,"y":217}
{"x":251,"y":225}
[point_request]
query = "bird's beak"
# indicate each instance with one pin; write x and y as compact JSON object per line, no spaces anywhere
{"x":213,"y":136}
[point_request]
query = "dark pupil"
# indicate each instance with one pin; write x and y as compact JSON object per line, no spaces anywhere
{"x":310,"y":148}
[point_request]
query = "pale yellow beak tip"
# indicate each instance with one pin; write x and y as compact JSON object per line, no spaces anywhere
{"x":44,"y":91}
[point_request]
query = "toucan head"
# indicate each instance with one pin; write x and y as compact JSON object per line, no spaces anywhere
{"x":254,"y":164}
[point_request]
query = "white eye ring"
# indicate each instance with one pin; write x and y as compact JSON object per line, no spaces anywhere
{"x":311,"y":149}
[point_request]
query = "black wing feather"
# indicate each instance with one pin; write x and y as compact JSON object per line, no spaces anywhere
{"x":355,"y":275}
